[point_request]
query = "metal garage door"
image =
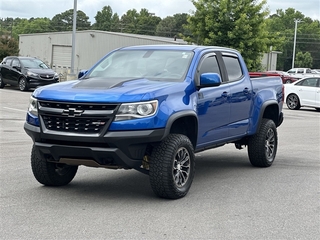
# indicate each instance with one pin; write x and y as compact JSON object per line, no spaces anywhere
{"x":61,"y":56}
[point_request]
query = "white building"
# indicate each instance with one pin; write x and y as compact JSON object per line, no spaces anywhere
{"x":55,"y":48}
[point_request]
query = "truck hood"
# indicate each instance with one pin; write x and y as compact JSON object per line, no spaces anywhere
{"x":102,"y":90}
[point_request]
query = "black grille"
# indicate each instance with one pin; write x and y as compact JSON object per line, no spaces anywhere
{"x":47,"y":76}
{"x":71,"y":124}
{"x":89,"y":118}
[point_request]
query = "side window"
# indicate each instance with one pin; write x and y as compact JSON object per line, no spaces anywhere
{"x":7,"y":61}
{"x":300,"y":71}
{"x":209,"y":65}
{"x":15,"y":63}
{"x":308,"y":70}
{"x":310,"y":82}
{"x":233,"y":67}
{"x":292,"y":71}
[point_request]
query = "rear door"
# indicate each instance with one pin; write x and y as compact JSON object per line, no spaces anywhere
{"x":307,"y":91}
{"x":15,"y":71}
{"x":239,"y":96}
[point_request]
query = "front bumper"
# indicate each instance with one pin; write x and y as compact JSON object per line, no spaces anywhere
{"x":121,"y":149}
{"x":35,"y":82}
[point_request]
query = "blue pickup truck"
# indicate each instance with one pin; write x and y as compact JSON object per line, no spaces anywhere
{"x":151,"y":108}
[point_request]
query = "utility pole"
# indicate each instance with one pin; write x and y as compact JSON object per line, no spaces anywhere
{"x":296,"y":21}
{"x":74,"y":36}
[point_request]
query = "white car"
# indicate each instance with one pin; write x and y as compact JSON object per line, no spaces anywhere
{"x":303,"y":93}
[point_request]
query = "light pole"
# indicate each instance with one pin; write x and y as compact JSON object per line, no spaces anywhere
{"x":296,"y":21}
{"x":74,"y":27}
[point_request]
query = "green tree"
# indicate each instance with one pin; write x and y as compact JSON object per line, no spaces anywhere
{"x":308,"y":36}
{"x":33,"y":25}
{"x":142,"y":22}
{"x":172,"y":26}
{"x":303,"y":60}
{"x":106,"y":20}
{"x":64,"y":21}
{"x":8,"y":47}
{"x":239,"y":24}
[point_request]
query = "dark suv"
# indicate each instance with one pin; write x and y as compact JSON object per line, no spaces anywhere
{"x":26,"y":72}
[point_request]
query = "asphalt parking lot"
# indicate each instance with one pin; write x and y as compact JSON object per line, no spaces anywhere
{"x":229,"y":199}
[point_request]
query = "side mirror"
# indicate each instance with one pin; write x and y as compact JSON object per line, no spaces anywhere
{"x":210,"y":80}
{"x":82,"y":73}
{"x":17,"y":68}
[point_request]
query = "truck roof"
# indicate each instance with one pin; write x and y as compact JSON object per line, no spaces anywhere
{"x":194,"y":48}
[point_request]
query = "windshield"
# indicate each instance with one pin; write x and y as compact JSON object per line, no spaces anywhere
{"x":161,"y":65}
{"x":34,"y":63}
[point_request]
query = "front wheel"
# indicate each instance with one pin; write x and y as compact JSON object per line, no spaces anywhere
{"x":262,"y":147}
{"x":23,"y":85}
{"x":172,"y":167}
{"x":293,"y":102}
{"x":48,"y":173}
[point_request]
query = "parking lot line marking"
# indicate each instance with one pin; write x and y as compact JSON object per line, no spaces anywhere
{"x":15,"y":109}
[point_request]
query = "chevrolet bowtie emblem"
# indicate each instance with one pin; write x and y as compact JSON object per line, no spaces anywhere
{"x":72,"y":112}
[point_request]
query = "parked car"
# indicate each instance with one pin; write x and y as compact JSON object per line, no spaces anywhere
{"x":303,"y":93}
{"x":26,"y":72}
{"x":285,"y":77}
{"x":301,"y":73}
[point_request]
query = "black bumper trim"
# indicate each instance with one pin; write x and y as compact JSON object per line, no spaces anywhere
{"x":119,"y":148}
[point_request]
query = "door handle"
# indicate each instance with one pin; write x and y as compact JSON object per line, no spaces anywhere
{"x":224,"y":94}
{"x":246,"y":90}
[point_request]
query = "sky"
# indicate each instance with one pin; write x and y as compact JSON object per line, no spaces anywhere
{"x":161,"y":8}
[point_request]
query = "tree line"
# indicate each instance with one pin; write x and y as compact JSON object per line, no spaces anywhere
{"x":243,"y":25}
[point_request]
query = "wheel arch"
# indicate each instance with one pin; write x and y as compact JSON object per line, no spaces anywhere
{"x":186,"y":123}
{"x":270,"y":110}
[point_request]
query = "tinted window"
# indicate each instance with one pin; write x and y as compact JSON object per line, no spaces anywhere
{"x":7,"y":61}
{"x":309,"y":82}
{"x":292,"y":71}
{"x":209,"y":65}
{"x":233,"y":67}
{"x":15,"y":63}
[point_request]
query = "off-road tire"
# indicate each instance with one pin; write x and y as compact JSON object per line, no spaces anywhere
{"x":262,"y":147}
{"x":1,"y":82}
{"x":172,"y":167}
{"x":293,"y":102}
{"x":23,"y":85}
{"x":48,"y":173}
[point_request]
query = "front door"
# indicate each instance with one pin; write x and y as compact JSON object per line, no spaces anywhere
{"x":213,"y":106}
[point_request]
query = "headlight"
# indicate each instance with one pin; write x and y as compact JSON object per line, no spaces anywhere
{"x":129,"y":111}
{"x":31,"y":74}
{"x":56,"y":75}
{"x":33,"y":106}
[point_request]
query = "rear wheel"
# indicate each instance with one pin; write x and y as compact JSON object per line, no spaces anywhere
{"x":48,"y":173}
{"x":172,"y":167}
{"x":1,"y":82}
{"x":293,"y":102}
{"x":23,"y":85}
{"x":262,"y":147}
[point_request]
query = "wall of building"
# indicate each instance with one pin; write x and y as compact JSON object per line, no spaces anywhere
{"x":90,"y":46}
